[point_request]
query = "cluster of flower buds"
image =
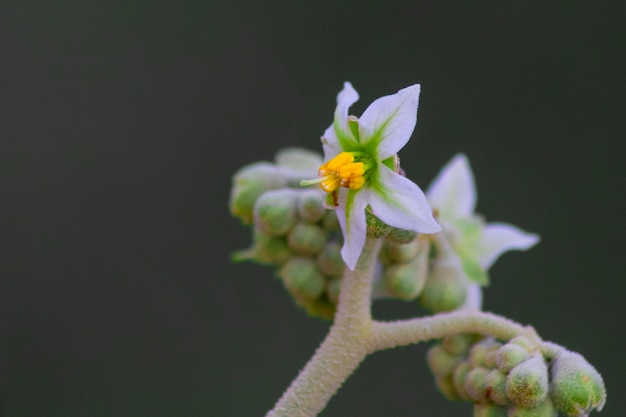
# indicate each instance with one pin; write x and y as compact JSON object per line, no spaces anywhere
{"x":515,"y":379}
{"x":292,"y":229}
{"x":423,"y":270}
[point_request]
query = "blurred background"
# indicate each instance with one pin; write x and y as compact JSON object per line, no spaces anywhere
{"x":121,"y":124}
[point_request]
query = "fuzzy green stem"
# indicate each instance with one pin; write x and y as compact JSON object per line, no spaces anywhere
{"x":344,"y":348}
{"x":386,"y":335}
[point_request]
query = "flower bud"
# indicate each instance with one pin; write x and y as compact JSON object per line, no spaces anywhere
{"x":332,"y":290}
{"x":303,"y":162}
{"x":405,"y":281}
{"x":319,"y":307}
{"x":456,"y":344}
{"x":275,"y":211}
{"x":496,"y":386}
{"x":268,"y":250}
{"x":577,"y":388}
{"x":490,"y":357}
{"x":400,"y":236}
{"x":488,"y":410}
{"x":330,"y":261}
{"x":441,"y":363}
{"x":545,"y":409}
{"x":478,"y":352}
{"x":445,"y":290}
{"x":302,"y":278}
{"x":476,"y":384}
{"x":446,"y":387}
{"x":330,"y":221}
{"x":306,"y":239}
{"x":458,"y":379}
{"x":509,"y":356}
{"x":311,"y":206}
{"x":401,"y":253}
{"x":551,"y":350}
{"x":249,"y":183}
{"x":527,"y":383}
{"x":524,"y":342}
{"x":376,"y":228}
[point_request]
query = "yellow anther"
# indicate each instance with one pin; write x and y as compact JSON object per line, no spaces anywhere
{"x":341,"y":171}
{"x":330,"y":184}
{"x":353,"y":183}
{"x":351,"y":170}
{"x":339,"y":160}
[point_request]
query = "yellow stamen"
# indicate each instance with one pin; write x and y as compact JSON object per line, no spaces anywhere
{"x":330,"y":183}
{"x":351,"y":170}
{"x":339,"y":160}
{"x":339,"y":171}
{"x":353,"y":183}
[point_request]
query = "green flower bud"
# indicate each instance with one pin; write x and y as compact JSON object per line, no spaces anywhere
{"x":320,"y":307}
{"x":406,"y":281}
{"x":306,"y":239}
{"x":509,"y":356}
{"x":376,"y":228}
{"x":458,"y":379}
{"x":545,"y":409}
{"x":446,"y":387}
{"x":456,"y":344}
{"x":444,"y":290}
{"x":330,"y":261}
{"x":441,"y":362}
{"x":401,"y":253}
{"x":476,"y":384}
{"x":275,"y":211}
{"x":527,"y":383}
{"x":249,"y":183}
{"x":400,"y":236}
{"x":496,"y":385}
{"x":489,"y":410}
{"x":301,"y":162}
{"x":524,"y":342}
{"x":330,"y":221}
{"x":302,"y":278}
{"x":311,"y":206}
{"x":332,"y":290}
{"x":478,"y":352}
{"x":550,"y":350}
{"x":577,"y":387}
{"x":490,"y":357}
{"x":267,"y":250}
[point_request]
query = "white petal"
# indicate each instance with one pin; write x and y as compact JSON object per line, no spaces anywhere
{"x":330,"y":143}
{"x":399,"y":202}
{"x":453,"y":191}
{"x":354,"y":228}
{"x":389,"y":121}
{"x":474,"y":298}
{"x":498,"y":238}
{"x":343,"y":135}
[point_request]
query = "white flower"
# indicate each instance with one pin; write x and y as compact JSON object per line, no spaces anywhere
{"x":453,"y":195}
{"x":360,"y":169}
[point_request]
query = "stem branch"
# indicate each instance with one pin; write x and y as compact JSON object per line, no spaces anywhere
{"x":386,"y":335}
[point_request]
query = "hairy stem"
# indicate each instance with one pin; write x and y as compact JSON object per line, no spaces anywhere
{"x":343,"y":349}
{"x":386,"y":335}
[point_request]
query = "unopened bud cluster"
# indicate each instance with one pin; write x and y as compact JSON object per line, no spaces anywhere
{"x":515,"y":379}
{"x":420,"y":270}
{"x":292,"y":230}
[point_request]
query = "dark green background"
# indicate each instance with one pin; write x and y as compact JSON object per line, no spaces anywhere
{"x":121,"y":124}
